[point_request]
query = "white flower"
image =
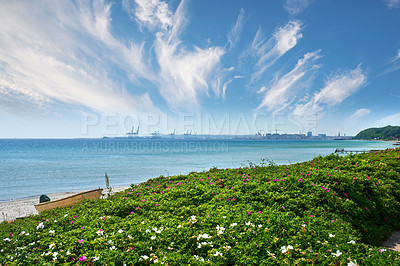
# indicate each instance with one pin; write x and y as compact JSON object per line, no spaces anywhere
{"x":51,"y":246}
{"x":179,"y":226}
{"x":40,"y":226}
{"x":352,"y":263}
{"x":68,"y":252}
{"x":55,"y":221}
{"x":224,"y":217}
{"x":153,"y":237}
{"x":271,"y":254}
{"x":304,"y":225}
{"x":144,"y":257}
{"x":286,"y":249}
{"x":95,"y":258}
{"x":130,"y":237}
{"x":23,"y":232}
{"x":220,"y":230}
{"x":52,"y":232}
{"x":249,"y":223}
{"x":351,"y":242}
{"x":260,"y":225}
{"x":120,"y":231}
{"x":337,"y":254}
{"x":113,"y":248}
{"x":203,"y":236}
{"x":99,"y":232}
{"x":27,"y":234}
{"x":7,"y":239}
{"x":217,"y":253}
{"x":382,"y":250}
{"x":330,"y":235}
{"x":233,"y":224}
{"x":67,"y":215}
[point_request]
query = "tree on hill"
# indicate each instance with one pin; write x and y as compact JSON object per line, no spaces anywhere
{"x":383,"y":133}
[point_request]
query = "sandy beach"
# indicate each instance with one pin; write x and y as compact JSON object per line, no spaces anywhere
{"x":18,"y":208}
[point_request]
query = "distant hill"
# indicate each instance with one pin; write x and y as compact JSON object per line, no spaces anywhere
{"x":383,"y":133}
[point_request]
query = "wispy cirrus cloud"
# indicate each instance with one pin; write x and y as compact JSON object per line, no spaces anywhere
{"x":337,"y":89}
{"x":393,"y":120}
{"x":233,"y":36}
{"x":294,"y":7}
{"x":392,"y":3}
{"x":63,"y":52}
{"x":284,"y":89}
{"x":269,"y":51}
{"x":357,"y":115}
{"x":184,"y":73}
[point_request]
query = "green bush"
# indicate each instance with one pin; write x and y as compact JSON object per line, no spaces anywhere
{"x":332,"y":210}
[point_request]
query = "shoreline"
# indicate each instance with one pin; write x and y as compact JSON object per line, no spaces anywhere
{"x":22,"y":207}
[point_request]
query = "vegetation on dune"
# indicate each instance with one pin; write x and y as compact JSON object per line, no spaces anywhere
{"x":332,"y":210}
{"x":382,"y":133}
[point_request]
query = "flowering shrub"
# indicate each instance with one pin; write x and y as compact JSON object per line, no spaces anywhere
{"x":331,"y":210}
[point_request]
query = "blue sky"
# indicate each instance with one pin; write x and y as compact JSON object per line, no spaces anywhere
{"x":96,"y":68}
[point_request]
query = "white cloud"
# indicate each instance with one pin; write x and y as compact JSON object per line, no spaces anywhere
{"x":337,"y":88}
{"x":393,"y":120}
{"x":233,"y":36}
{"x":152,"y":14}
{"x":224,"y":87}
{"x":340,"y":87}
{"x":63,"y":52}
{"x":284,"y":88}
{"x":269,"y":51}
{"x":357,"y":115}
{"x":185,"y":74}
{"x":295,"y":7}
{"x":396,"y":57}
{"x":392,"y":3}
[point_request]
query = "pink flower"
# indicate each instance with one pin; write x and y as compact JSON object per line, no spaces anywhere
{"x":80,"y":240}
{"x":162,"y":192}
{"x":10,"y":234}
{"x":157,"y":204}
{"x":143,"y":199}
{"x":75,"y":216}
{"x":259,"y":211}
{"x":83,"y":227}
{"x":311,"y":215}
{"x":83,"y":258}
{"x":72,"y":222}
{"x":132,"y":212}
{"x":249,"y":212}
{"x":283,"y":207}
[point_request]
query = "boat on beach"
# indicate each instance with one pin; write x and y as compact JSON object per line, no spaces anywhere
{"x":70,"y":200}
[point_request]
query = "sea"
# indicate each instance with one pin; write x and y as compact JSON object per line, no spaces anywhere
{"x":32,"y":167}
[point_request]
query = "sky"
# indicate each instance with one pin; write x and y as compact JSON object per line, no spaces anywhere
{"x":72,"y":69}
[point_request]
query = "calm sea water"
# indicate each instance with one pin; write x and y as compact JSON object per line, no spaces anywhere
{"x":34,"y":167}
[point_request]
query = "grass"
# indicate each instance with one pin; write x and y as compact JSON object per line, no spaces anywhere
{"x":332,"y":210}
